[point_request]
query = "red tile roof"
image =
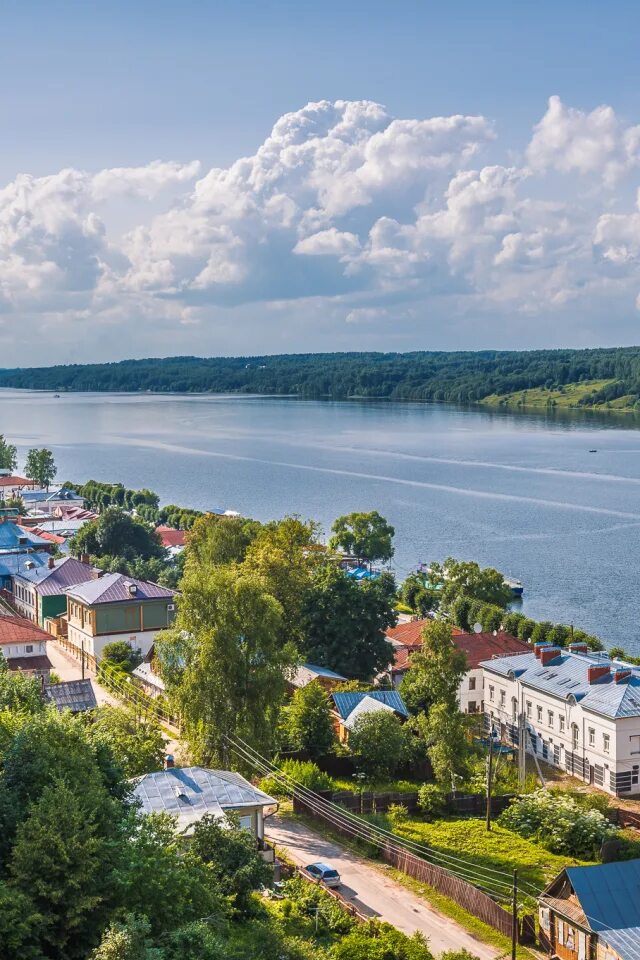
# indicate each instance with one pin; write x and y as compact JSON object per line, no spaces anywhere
{"x":20,"y":630}
{"x":484,"y":646}
{"x":410,"y":634}
{"x":171,"y":537}
{"x":52,"y":537}
{"x":15,"y":482}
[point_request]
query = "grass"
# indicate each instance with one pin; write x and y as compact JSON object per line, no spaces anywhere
{"x":567,"y":397}
{"x":383,"y":786}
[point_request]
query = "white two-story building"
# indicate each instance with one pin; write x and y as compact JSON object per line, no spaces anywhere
{"x":578,"y":710}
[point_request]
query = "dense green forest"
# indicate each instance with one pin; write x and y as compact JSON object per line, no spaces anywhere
{"x":463,"y":377}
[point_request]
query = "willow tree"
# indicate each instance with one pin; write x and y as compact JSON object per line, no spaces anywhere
{"x":225,"y":663}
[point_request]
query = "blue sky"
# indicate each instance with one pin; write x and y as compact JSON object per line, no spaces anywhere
{"x":95,"y":88}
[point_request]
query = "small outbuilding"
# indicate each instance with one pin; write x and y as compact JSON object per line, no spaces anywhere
{"x":78,"y":696}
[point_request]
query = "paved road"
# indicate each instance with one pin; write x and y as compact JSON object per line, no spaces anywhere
{"x":372,"y":892}
{"x":68,"y":668}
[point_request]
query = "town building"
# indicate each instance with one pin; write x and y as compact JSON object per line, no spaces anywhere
{"x":78,"y":696}
{"x":172,"y":540}
{"x":24,"y":646}
{"x":578,"y":710}
{"x":190,"y":793}
{"x":115,"y":607}
{"x":47,"y":501}
{"x":12,"y":486}
{"x":20,"y":549}
{"x":41,"y":591}
{"x":306,"y":673}
{"x":349,"y":706}
{"x":593,"y":913}
{"x":406,"y":640}
{"x":146,"y":673}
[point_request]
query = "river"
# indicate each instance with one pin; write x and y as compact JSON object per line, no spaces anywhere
{"x":516,"y":491}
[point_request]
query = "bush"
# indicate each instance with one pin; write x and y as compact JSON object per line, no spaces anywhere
{"x":559,"y":823}
{"x":431,"y":801}
{"x":303,"y":772}
{"x":397,"y":814}
{"x":121,"y":655}
{"x":379,"y":744}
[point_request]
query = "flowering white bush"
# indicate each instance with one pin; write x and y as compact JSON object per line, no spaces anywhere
{"x":560,"y":823}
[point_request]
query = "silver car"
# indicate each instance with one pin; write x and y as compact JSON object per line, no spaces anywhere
{"x":324,"y":873}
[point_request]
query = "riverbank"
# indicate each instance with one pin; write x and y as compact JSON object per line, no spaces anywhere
{"x":570,"y":396}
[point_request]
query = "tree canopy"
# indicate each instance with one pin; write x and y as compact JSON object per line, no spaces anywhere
{"x":116,"y":534}
{"x":368,"y":536}
{"x":8,"y":455}
{"x":41,"y":467}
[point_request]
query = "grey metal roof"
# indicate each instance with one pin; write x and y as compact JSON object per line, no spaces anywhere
{"x":568,"y":674}
{"x":74,"y":695}
{"x":144,"y":672}
{"x":114,"y":588}
{"x":609,"y":893}
{"x":53,"y":580}
{"x":626,"y":942}
{"x":307,"y":672}
{"x":346,"y":702}
{"x":189,"y":793}
{"x":43,"y":496}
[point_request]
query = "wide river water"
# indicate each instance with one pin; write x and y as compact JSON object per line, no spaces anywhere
{"x":519,"y":492}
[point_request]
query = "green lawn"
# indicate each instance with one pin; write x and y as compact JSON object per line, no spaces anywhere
{"x":384,"y":786}
{"x":499,"y":849}
{"x":566,"y":397}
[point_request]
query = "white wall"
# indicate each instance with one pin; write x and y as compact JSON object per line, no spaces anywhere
{"x":93,"y":646}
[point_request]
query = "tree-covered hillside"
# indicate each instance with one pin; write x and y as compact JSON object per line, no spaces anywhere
{"x":462,"y":377}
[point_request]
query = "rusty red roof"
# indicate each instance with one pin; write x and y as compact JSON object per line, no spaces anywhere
{"x":485,"y":646}
{"x":20,"y":630}
{"x":410,"y":634}
{"x":171,"y":537}
{"x":15,"y":482}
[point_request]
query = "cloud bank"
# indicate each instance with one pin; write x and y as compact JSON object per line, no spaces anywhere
{"x":346,"y":227}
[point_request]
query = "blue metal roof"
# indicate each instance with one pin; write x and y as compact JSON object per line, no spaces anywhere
{"x":13,"y":537}
{"x":346,"y":702}
{"x":626,"y":942}
{"x":609,"y":894}
{"x":42,"y":496}
{"x":567,"y":675}
{"x":12,"y":564}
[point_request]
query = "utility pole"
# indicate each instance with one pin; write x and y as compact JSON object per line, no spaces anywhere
{"x":489,"y":776}
{"x":514,"y":917}
{"x":522,"y":748}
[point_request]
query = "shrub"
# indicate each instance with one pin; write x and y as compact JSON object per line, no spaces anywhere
{"x":120,"y":654}
{"x":303,"y":772}
{"x":462,"y":954}
{"x":559,"y":823}
{"x":397,"y":814}
{"x":379,"y":744}
{"x":431,"y":801}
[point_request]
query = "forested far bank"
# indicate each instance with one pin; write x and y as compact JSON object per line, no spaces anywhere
{"x":607,"y":376}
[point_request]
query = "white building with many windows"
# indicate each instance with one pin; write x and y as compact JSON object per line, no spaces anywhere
{"x":580,"y":711}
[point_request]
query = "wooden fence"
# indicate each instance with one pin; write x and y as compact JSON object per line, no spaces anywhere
{"x":466,"y":895}
{"x":627,"y":818}
{"x":464,"y":804}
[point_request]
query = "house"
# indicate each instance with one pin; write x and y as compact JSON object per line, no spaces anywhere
{"x":115,"y":607}
{"x":145,"y":672}
{"x":12,"y":486}
{"x":189,"y":793}
{"x":406,"y":639}
{"x":75,"y":695}
{"x":307,"y":672}
{"x":347,"y":707}
{"x":46,"y":501}
{"x":40,"y":592}
{"x":578,"y":710}
{"x":20,"y":549}
{"x":593,"y":913}
{"x":24,"y":646}
{"x":172,"y":540}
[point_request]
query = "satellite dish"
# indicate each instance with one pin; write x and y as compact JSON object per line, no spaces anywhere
{"x":477,"y":628}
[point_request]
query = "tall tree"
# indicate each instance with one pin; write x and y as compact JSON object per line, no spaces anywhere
{"x":307,"y":723}
{"x":225,"y":662}
{"x":41,"y":467}
{"x":379,"y":744}
{"x":8,"y":455}
{"x":435,"y":672}
{"x":444,"y":733}
{"x":215,"y":541}
{"x":469,"y":579}
{"x":137,"y":743}
{"x":368,"y":536}
{"x":345,"y":622}
{"x":116,"y":534}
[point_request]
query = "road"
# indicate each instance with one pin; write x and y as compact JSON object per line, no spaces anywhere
{"x":373,"y":893}
{"x":68,"y":668}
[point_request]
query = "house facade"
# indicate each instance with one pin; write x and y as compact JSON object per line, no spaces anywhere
{"x":48,"y":501}
{"x":20,"y":549}
{"x":115,"y":607}
{"x":593,"y":913}
{"x":578,"y":710}
{"x":41,"y":592}
{"x":24,"y":646}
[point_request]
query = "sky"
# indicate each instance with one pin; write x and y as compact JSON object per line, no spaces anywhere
{"x":222,"y":178}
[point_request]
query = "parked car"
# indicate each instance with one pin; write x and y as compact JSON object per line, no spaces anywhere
{"x":324,"y":873}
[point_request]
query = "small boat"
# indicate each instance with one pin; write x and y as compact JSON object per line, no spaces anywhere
{"x":516,"y":586}
{"x":593,"y":451}
{"x":56,"y":396}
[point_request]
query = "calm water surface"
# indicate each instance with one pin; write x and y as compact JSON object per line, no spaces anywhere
{"x":519,"y":492}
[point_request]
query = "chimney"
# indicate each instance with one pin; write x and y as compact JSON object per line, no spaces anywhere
{"x":168,"y":762}
{"x":579,"y":647}
{"x":539,"y":647}
{"x":549,"y":655}
{"x":51,"y":563}
{"x":597,"y":673}
{"x":620,"y":675}
{"x":85,"y":558}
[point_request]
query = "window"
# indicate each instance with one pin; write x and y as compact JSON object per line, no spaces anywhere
{"x":472,"y":683}
{"x":561,"y":724}
{"x":635,"y":743}
{"x":606,"y":742}
{"x":539,"y":709}
{"x":575,"y":735}
{"x":473,"y":707}
{"x":592,"y":737}
{"x":529,"y":708}
{"x":503,"y":698}
{"x":561,"y":932}
{"x":550,"y":717}
{"x":29,"y":648}
{"x":492,"y":691}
